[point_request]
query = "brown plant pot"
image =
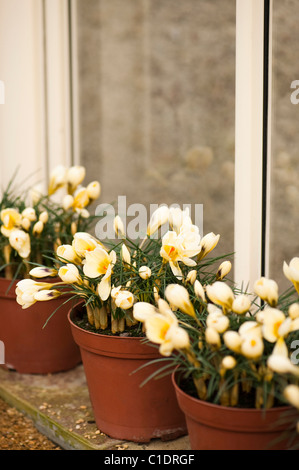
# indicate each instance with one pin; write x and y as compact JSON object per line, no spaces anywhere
{"x":123,"y":409}
{"x":215,"y":427}
{"x":29,"y":348}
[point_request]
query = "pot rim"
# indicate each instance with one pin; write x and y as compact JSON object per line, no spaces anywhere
{"x":214,"y":406}
{"x":92,"y":334}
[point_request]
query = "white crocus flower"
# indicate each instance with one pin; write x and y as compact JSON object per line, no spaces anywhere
{"x":29,"y":213}
{"x":218,"y":321}
{"x":232,"y":340}
{"x":83,"y":243}
{"x":178,"y":296}
{"x":67,"y":253}
{"x":282,"y":365}
{"x":228,"y":362}
{"x":273,"y":324}
{"x":81,"y":199}
{"x":122,"y":298}
{"x":26,"y":289}
{"x":143,"y":310}
{"x":294,"y":310}
{"x":70,"y":274}
{"x":252,"y":346}
{"x":20,"y":241}
{"x":291,"y":272}
{"x":267,"y":290}
{"x":163,"y":329}
{"x":178,"y":217}
{"x":100,"y":263}
{"x":11,"y":219}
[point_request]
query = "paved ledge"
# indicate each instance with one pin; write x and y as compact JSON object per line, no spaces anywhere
{"x":60,"y":408}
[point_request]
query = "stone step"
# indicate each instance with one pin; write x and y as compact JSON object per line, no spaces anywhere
{"x":60,"y":408}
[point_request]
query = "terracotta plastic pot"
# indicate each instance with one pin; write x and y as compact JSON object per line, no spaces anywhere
{"x":215,"y":427}
{"x":123,"y":409}
{"x":30,"y":348}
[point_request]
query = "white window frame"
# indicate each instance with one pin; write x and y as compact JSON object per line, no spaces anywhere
{"x":52,"y":122}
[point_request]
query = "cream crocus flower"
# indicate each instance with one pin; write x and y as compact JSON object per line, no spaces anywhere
{"x":42,"y":271}
{"x":291,"y":394}
{"x":70,"y":274}
{"x":81,"y":199}
{"x":178,"y":296}
{"x":207,"y":244}
{"x":20,"y":241}
{"x":159,"y":217}
{"x":94,"y":190}
{"x":291,"y":272}
{"x":223,"y":270}
{"x":189,"y":240}
{"x":220,"y":294}
{"x":241,"y":304}
{"x":228,"y":362}
{"x":144,"y":272}
{"x":252,"y":347}
{"x":180,"y":247}
{"x":100,"y":263}
{"x":11,"y":219}
{"x":58,"y":179}
{"x":143,"y":310}
{"x":83,"y":243}
{"x":274,"y":324}
{"x":267,"y":290}
{"x":68,"y":253}
{"x":25,"y":223}
{"x":26,"y":289}
{"x":123,"y":298}
{"x":164,"y":329}
{"x":74,"y":176}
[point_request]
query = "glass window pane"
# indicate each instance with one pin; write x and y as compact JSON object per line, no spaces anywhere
{"x":284,"y":240}
{"x":157,"y":86}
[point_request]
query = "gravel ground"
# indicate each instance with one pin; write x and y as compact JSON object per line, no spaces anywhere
{"x":17,"y":432}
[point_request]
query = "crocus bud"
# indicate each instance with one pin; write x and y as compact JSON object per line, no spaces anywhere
{"x":29,"y":213}
{"x":291,"y":272}
{"x":20,"y":241}
{"x":178,"y":296}
{"x":119,"y":227}
{"x":44,"y":217}
{"x":145,"y":272}
{"x":223,"y":270}
{"x":125,"y":254}
{"x":241,"y":304}
{"x":221,"y":294}
{"x":199,"y":290}
{"x":291,"y":393}
{"x":42,"y":271}
{"x":267,"y":290}
{"x":158,"y":218}
{"x":38,"y":228}
{"x":232,"y":340}
{"x":207,"y":244}
{"x":26,"y":223}
{"x":294,"y":311}
{"x":228,"y":362}
{"x":191,"y":276}
{"x":94,"y":190}
{"x":47,"y":294}
{"x":212,"y":337}
{"x":75,"y":176}
{"x":57,"y":179}
{"x":67,"y":253}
